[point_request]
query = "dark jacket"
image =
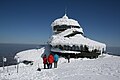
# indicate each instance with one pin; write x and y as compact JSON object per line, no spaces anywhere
{"x":45,"y":60}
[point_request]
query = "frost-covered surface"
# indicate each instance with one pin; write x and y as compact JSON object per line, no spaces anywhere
{"x":30,"y":55}
{"x":34,"y":55}
{"x":106,"y":67}
{"x":70,"y":31}
{"x":78,"y":39}
{"x":65,"y":21}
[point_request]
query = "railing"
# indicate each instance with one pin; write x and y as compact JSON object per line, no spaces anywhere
{"x":9,"y":60}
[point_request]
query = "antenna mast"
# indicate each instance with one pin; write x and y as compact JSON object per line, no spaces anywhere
{"x":65,"y":10}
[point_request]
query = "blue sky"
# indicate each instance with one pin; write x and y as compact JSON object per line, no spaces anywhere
{"x":28,"y":21}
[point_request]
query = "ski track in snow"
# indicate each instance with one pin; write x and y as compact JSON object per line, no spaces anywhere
{"x":106,"y":68}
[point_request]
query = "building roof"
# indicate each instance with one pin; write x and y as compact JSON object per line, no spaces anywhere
{"x":65,"y":21}
{"x":78,"y":39}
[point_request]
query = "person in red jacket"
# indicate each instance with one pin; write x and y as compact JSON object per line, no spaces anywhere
{"x":45,"y":61}
{"x":50,"y":60}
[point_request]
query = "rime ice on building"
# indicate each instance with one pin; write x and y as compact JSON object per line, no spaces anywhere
{"x":68,"y":38}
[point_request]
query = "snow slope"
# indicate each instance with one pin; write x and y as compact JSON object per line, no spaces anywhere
{"x":106,"y":67}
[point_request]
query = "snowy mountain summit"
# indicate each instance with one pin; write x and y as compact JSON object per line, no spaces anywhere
{"x":68,"y":38}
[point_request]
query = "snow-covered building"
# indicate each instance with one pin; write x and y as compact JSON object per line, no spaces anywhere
{"x":68,"y":38}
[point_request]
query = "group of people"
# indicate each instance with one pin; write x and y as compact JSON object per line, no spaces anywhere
{"x":49,"y":60}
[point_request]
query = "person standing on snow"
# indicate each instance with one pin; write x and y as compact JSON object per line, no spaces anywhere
{"x":55,"y":60}
{"x":45,"y":61}
{"x":50,"y":60}
{"x":68,"y":57}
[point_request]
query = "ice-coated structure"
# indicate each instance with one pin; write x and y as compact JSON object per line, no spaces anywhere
{"x":68,"y":37}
